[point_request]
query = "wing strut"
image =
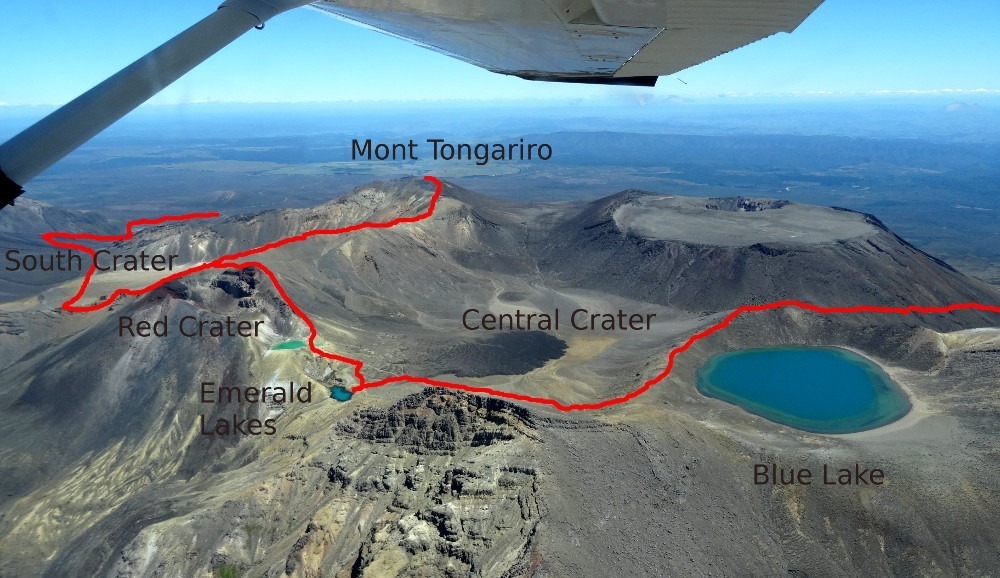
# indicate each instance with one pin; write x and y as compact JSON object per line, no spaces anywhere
{"x":39,"y":146}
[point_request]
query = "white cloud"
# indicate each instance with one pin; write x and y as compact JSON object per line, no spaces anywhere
{"x":938,"y":91}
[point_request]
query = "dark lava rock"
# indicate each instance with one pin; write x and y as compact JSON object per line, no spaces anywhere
{"x":743,"y":204}
{"x":437,"y":421}
{"x":238,"y":284}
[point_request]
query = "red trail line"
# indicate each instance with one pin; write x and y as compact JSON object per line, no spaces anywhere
{"x":234,"y":261}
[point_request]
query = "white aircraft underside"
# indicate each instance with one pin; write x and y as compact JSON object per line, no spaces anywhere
{"x":601,"y":41}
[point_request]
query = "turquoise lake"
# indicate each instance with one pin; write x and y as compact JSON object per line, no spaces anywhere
{"x":293,"y":344}
{"x":816,"y":389}
{"x":340,"y":393}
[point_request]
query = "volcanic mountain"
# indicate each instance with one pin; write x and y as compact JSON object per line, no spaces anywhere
{"x":21,"y":228}
{"x":107,"y":469}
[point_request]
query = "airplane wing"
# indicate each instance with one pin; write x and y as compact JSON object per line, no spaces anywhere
{"x":592,"y":41}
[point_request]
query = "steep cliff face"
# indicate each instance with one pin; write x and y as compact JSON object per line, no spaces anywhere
{"x":435,"y":484}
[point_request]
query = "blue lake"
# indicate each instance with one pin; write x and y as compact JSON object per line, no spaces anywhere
{"x":816,"y":389}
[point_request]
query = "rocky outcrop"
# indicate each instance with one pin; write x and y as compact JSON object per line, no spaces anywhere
{"x":435,"y":422}
{"x":237,"y":284}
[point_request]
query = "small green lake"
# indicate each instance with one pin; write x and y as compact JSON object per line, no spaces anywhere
{"x":293,"y":344}
{"x":340,"y":393}
{"x":817,"y":389}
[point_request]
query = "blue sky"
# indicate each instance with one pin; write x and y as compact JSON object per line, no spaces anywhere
{"x":54,"y":49}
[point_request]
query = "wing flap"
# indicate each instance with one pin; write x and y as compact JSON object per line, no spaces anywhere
{"x":700,"y":30}
{"x":604,"y":41}
{"x":519,"y":38}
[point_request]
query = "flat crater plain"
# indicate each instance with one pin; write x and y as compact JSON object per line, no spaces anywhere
{"x":502,"y":353}
{"x":737,"y":222}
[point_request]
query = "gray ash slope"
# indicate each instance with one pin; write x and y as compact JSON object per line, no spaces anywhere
{"x":103,"y":472}
{"x":21,"y":229}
